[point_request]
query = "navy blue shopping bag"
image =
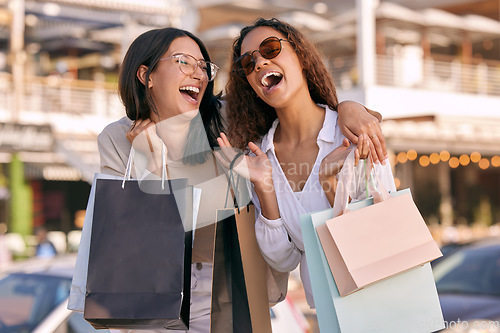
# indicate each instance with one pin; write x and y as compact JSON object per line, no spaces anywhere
{"x":139,"y":270}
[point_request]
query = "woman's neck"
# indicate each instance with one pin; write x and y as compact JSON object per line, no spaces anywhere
{"x":299,"y":122}
{"x":174,"y":131}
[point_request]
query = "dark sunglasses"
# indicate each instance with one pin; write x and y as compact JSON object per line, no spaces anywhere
{"x":268,"y":49}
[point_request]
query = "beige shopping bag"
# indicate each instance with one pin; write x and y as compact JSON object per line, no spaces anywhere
{"x":264,"y":283}
{"x":255,"y":269}
{"x":240,"y":299}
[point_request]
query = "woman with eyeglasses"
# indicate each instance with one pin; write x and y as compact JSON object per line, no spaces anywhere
{"x":166,"y":84}
{"x":283,"y":106}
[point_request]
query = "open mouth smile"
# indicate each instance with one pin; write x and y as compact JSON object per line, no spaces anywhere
{"x":191,"y":93}
{"x":271,"y":80}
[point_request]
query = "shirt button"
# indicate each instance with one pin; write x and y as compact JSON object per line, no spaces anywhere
{"x":199,"y":266}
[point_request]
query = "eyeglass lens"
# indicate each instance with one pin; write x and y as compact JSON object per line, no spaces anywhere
{"x":188,"y":66}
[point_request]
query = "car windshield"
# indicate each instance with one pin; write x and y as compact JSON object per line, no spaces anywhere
{"x":470,"y":271}
{"x":25,"y":300}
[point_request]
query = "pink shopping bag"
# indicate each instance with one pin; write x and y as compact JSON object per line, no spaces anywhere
{"x":373,"y":241}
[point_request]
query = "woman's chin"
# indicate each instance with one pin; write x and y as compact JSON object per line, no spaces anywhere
{"x":182,"y":113}
{"x":190,"y":114}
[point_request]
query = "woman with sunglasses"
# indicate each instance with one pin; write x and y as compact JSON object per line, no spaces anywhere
{"x":281,"y":96}
{"x":166,"y":84}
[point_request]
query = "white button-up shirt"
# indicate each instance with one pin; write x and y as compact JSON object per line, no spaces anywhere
{"x":280,"y":240}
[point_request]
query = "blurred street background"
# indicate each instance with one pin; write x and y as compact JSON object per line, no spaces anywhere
{"x":431,"y":67}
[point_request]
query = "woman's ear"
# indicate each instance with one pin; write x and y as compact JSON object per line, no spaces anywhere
{"x":141,"y":75}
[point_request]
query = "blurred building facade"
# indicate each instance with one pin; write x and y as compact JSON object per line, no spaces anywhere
{"x":431,"y":67}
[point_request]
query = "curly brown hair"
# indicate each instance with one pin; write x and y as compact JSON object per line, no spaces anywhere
{"x":249,"y":118}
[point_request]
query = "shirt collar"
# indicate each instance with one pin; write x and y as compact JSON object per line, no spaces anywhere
{"x":268,"y":139}
{"x":327,"y":132}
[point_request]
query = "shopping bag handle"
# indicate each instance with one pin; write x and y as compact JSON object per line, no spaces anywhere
{"x":130,"y":162}
{"x":231,"y":179}
{"x":346,"y":182}
{"x":379,"y":195}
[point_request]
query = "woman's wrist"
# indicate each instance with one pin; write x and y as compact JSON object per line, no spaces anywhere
{"x":323,"y":177}
{"x":328,"y":169}
{"x":329,"y":186}
{"x":268,"y":201}
{"x":263,"y":186}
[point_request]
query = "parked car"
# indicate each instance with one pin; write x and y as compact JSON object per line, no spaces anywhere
{"x":451,"y":248}
{"x":34,"y":294}
{"x":468,"y":283}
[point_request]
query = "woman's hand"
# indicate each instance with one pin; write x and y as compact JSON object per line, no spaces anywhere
{"x":142,"y":135}
{"x":355,"y":120}
{"x":332,"y":164}
{"x":257,"y":168}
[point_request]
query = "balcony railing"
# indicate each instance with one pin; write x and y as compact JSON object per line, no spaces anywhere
{"x":49,"y":95}
{"x":431,"y":74}
{"x":59,"y":95}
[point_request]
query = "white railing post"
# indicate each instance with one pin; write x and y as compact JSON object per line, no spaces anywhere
{"x":482,"y":78}
{"x":428,"y":79}
{"x":397,"y":77}
{"x":98,"y":102}
{"x":18,"y":55}
{"x":6,"y":95}
{"x":456,"y":75}
{"x":36,"y":98}
{"x":365,"y":42}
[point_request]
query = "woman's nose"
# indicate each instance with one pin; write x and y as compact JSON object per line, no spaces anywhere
{"x":260,"y":61}
{"x":199,"y":74}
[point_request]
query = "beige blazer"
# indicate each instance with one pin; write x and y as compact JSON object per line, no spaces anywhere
{"x":114,"y":147}
{"x":114,"y":150}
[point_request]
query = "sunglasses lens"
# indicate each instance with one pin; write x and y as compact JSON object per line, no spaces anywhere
{"x":270,"y":48}
{"x":244,"y":65}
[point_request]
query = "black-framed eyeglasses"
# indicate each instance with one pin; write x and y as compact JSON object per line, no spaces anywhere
{"x":189,"y":64}
{"x":268,"y":49}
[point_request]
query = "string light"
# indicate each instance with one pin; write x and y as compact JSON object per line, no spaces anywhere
{"x":464,"y":159}
{"x":445,"y":156}
{"x":402,"y":158}
{"x":475,"y":157}
{"x":424,"y":160}
{"x":495,"y":161}
{"x":484,"y":163}
{"x":412,"y":154}
{"x":397,"y":182}
{"x":435,"y":159}
{"x":454,"y":162}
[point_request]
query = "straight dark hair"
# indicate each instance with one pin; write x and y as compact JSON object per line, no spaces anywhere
{"x":147,"y":49}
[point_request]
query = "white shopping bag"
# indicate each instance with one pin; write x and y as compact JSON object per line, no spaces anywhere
{"x":76,"y":299}
{"x":407,"y":302}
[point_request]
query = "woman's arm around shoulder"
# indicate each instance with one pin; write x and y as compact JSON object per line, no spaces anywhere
{"x":356,"y":120}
